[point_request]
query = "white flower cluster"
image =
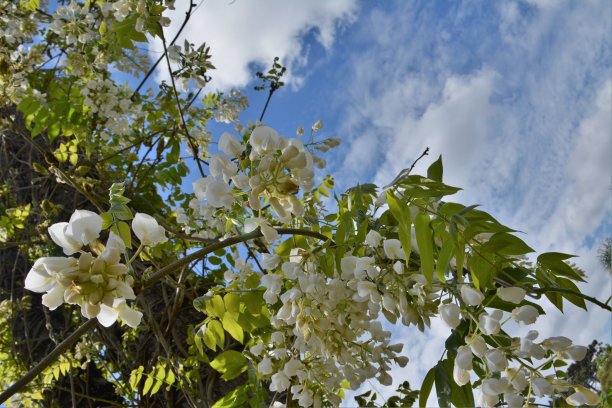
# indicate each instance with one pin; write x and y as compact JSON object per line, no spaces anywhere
{"x":107,"y":100}
{"x":100,"y":285}
{"x":502,"y":380}
{"x":74,"y":24}
{"x":327,"y":330}
{"x":279,"y":168}
{"x":16,"y":26}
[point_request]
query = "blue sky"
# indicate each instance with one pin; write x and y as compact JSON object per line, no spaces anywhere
{"x":515,"y":95}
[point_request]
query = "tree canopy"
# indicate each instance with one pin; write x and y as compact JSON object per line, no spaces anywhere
{"x":259,"y":285}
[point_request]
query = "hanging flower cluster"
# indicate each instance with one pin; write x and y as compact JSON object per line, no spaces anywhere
{"x":100,"y":284}
{"x":325,"y":325}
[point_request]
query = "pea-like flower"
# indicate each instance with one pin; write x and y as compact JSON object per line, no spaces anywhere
{"x":229,"y":145}
{"x":450,"y":313}
{"x":148,"y":231}
{"x":511,"y":294}
{"x":471,"y":296}
{"x":393,"y":249}
{"x":83,"y":228}
{"x":525,"y":314}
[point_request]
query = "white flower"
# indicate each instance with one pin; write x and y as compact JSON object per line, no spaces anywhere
{"x":270,"y":261}
{"x":264,"y":139}
{"x":109,"y":314}
{"x":273,"y":284}
{"x":292,"y":367}
{"x":219,"y":194}
{"x":291,"y":269}
{"x":51,"y":275}
{"x":582,"y":396}
{"x":221,"y":166}
{"x":490,"y":323}
{"x":517,"y":378}
{"x":487,"y":401}
{"x":84,"y":226}
{"x":269,"y":233}
{"x":373,"y":238}
{"x":460,"y":376}
{"x":557,"y":343}
{"x":279,"y":382}
{"x":576,"y":353}
{"x":542,"y":387}
{"x":511,"y":294}
{"x":463,"y":359}
{"x":478,"y":346}
{"x":393,"y":249}
{"x":513,"y":399}
{"x":229,"y":145}
{"x":199,"y":188}
{"x":496,"y":360}
{"x":471,"y":296}
{"x":494,"y":386}
{"x":318,"y":125}
{"x":265,"y":366}
{"x":241,"y":181}
{"x":59,"y":235}
{"x":148,"y":231}
{"x":525,"y":314}
{"x":257,"y":349}
{"x":368,"y":290}
{"x":450,"y":313}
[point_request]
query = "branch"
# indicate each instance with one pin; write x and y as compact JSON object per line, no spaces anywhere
{"x":152,"y":69}
{"x":591,"y":299}
{"x":47,"y":361}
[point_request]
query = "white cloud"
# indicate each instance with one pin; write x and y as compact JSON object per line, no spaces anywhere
{"x":242,"y":32}
{"x":516,"y":97}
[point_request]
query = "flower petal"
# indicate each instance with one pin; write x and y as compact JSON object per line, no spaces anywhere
{"x":107,"y":315}
{"x":54,"y":298}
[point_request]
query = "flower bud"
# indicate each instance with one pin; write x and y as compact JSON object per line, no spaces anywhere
{"x":471,"y":296}
{"x":511,"y":294}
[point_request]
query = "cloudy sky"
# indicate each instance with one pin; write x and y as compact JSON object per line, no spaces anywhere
{"x":515,"y":95}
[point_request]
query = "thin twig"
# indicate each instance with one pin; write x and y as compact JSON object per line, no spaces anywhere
{"x":152,"y":69}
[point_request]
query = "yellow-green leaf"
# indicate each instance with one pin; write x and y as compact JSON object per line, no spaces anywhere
{"x":232,"y":327}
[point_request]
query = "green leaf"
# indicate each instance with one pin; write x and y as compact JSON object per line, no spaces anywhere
{"x":428,"y":383}
{"x":123,"y":230}
{"x":506,"y":244}
{"x":107,"y":220}
{"x":230,"y":364}
{"x":216,"y":329}
{"x":147,"y":385}
{"x":232,"y":302}
{"x":401,"y":213}
{"x":435,"y":171}
{"x":235,"y":398}
{"x":446,"y":253}
{"x":424,"y":241}
{"x":215,"y":307}
{"x":232,"y":327}
{"x":121,"y":211}
{"x":554,"y":262}
{"x":482,"y":270}
{"x":443,"y":385}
